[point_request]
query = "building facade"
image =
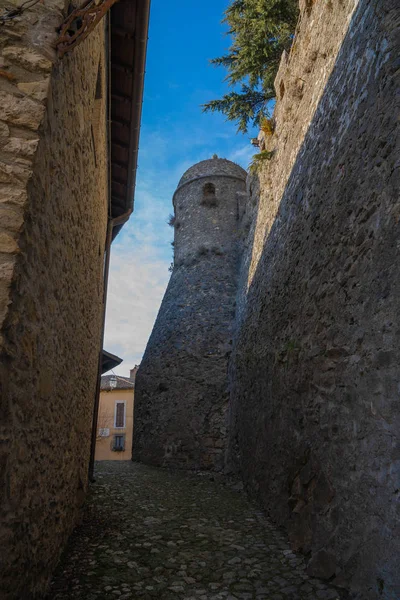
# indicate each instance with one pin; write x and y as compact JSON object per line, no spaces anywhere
{"x":115,"y":418}
{"x":66,"y":185}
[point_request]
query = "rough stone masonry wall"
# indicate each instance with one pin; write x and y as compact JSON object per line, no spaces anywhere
{"x":315,"y":370}
{"x":53,"y":205}
{"x":181,"y":393}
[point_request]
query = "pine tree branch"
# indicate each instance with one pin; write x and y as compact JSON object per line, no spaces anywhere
{"x":260,"y":31}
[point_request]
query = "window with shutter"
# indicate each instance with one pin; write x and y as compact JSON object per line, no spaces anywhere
{"x":119,"y":414}
{"x":119,"y":443}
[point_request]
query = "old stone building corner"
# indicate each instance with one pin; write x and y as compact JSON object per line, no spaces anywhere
{"x":56,"y":202}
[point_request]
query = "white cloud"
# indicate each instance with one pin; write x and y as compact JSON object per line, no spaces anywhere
{"x":242,"y":155}
{"x":138,"y":278}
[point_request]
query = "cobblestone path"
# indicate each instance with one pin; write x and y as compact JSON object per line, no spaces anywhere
{"x":149,"y":533}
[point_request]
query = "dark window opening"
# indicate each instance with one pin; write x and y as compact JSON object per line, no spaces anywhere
{"x":209,"y":188}
{"x":120,"y":414}
{"x":118,"y":443}
{"x":209,"y":197}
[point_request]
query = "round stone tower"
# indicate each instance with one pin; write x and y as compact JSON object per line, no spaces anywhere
{"x":181,"y":393}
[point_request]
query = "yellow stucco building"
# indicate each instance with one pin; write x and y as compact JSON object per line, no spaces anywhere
{"x":115,"y":419}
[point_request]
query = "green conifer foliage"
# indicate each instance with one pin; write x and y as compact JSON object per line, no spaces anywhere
{"x":260,"y":30}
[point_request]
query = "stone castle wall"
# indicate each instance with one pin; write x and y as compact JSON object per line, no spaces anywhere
{"x":314,"y":375}
{"x":181,"y":393}
{"x":53,"y":203}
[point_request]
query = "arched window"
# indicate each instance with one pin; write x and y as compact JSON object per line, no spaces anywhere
{"x":209,"y":198}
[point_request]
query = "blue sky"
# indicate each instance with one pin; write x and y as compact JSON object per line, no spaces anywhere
{"x":175,"y":134}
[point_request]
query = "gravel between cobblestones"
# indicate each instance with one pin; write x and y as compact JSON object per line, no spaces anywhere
{"x":154,"y":534}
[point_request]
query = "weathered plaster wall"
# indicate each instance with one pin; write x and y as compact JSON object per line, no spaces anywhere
{"x":53,"y":191}
{"x":181,"y":393}
{"x":315,"y":376}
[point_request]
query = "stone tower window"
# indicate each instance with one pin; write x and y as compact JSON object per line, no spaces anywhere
{"x":209,"y":198}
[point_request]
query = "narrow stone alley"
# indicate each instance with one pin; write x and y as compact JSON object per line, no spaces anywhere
{"x":151,"y":533}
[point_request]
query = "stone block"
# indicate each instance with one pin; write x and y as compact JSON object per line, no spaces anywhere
{"x":8,"y":245}
{"x":11,"y":217}
{"x":36,"y":89}
{"x":21,"y":147}
{"x":23,"y":112}
{"x":12,"y":194}
{"x":14,"y":174}
{"x":27,"y":58}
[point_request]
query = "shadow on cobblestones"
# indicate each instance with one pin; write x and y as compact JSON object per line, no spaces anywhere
{"x":149,"y":533}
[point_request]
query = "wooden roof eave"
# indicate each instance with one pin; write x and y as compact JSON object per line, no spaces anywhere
{"x":129,"y":21}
